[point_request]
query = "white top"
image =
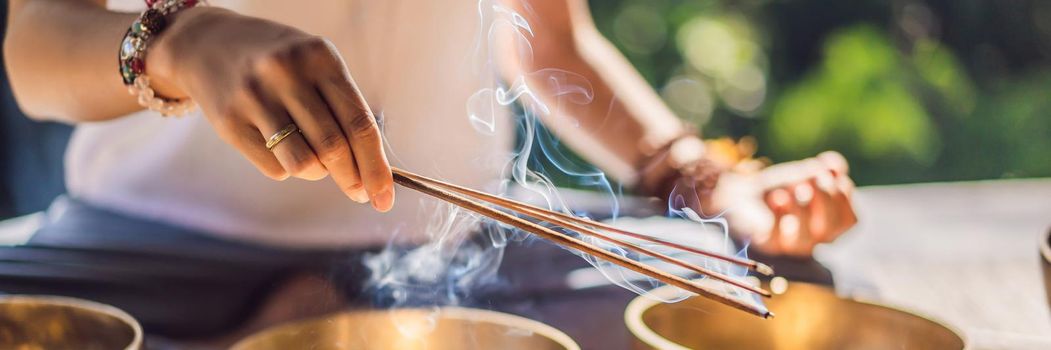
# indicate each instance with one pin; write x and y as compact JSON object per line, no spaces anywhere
{"x":414,"y":62}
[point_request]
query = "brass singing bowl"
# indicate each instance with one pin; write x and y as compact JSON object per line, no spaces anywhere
{"x":448,"y":328}
{"x":50,"y":322}
{"x":809,"y":317}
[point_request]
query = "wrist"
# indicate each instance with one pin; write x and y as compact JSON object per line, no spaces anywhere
{"x":667,"y":164}
{"x":686,"y":171}
{"x":168,"y":51}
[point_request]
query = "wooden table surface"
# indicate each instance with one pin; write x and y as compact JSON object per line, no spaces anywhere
{"x":965,"y":253}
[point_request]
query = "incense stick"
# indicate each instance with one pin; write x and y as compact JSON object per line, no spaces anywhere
{"x":575,"y":224}
{"x":434,"y":188}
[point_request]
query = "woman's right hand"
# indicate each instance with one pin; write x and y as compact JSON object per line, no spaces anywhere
{"x":252,"y":77}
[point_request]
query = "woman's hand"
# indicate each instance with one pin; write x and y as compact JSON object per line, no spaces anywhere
{"x":253,"y":77}
{"x":788,"y":208}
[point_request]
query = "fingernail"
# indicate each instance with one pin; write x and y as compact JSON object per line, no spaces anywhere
{"x":804,"y":193}
{"x":780,"y":197}
{"x":834,"y":160}
{"x":358,"y":194}
{"x":314,"y":175}
{"x":383,"y":201}
{"x":790,"y":227}
{"x":825,"y":183}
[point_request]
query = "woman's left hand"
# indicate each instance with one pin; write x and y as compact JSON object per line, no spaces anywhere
{"x":788,"y":208}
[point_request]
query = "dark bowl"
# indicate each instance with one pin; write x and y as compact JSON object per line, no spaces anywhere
{"x":1045,"y":264}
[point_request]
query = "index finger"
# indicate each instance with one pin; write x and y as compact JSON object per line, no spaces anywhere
{"x":790,"y":173}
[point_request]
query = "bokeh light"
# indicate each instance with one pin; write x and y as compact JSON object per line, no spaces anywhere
{"x":690,"y":98}
{"x":640,"y":29}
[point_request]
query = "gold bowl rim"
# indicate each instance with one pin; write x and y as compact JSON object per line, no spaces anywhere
{"x":638,"y":306}
{"x":449,"y":312}
{"x":83,"y":304}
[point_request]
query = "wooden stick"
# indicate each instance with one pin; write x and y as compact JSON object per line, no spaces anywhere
{"x":558,"y":219}
{"x":516,"y":205}
{"x":570,"y":242}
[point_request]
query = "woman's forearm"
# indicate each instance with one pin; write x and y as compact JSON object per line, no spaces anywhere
{"x":626,"y":122}
{"x":62,"y":59}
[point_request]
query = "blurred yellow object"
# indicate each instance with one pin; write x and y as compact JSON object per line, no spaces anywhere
{"x":737,"y":155}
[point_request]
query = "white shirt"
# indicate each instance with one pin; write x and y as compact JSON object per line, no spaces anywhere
{"x":413,"y":60}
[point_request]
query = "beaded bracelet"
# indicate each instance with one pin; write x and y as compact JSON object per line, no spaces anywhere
{"x":132,"y":56}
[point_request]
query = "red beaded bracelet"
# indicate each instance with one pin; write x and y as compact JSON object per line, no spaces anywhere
{"x":132,"y":55}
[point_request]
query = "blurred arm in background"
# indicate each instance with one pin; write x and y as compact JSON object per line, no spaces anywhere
{"x":626,"y":121}
{"x":629,"y":132}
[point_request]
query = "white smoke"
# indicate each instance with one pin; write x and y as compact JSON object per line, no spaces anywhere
{"x":456,"y":260}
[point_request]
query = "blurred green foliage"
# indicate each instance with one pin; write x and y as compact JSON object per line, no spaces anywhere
{"x":909,"y":91}
{"x":859,"y":96}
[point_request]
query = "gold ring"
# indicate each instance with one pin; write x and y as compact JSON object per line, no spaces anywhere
{"x":280,"y":135}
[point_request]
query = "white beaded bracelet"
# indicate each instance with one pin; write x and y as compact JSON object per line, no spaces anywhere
{"x":132,"y":57}
{"x":149,"y":99}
